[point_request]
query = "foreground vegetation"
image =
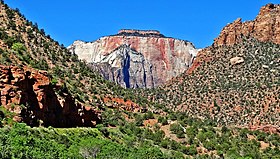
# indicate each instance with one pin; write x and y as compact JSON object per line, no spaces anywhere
{"x":21,"y":141}
{"x":118,"y":138}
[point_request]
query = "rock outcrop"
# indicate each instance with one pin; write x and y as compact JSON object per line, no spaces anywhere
{"x":30,"y":94}
{"x":137,"y":59}
{"x":266,"y":128}
{"x":266,"y":27}
{"x":236,"y":60}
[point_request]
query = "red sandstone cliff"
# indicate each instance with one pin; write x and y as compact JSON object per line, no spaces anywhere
{"x":266,"y":27}
{"x":43,"y":105}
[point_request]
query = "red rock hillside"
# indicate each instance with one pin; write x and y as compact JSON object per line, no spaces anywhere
{"x":266,"y":27}
{"x":29,"y":94}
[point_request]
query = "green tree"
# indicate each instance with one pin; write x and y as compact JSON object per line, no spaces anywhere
{"x":19,"y":47}
{"x":139,"y":120}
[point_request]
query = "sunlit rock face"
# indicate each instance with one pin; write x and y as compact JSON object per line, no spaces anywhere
{"x":136,"y":58}
{"x":266,"y":27}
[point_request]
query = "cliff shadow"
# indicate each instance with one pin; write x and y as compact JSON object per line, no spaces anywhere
{"x":126,"y":76}
{"x":28,"y":98}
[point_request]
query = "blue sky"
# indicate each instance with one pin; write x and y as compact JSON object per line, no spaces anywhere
{"x":198,"y":21}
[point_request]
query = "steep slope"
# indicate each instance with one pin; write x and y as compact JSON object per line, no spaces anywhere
{"x":235,"y":82}
{"x":266,"y":27}
{"x":236,"y":85}
{"x":164,"y":57}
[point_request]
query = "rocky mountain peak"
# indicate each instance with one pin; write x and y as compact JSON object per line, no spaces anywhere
{"x":266,"y":27}
{"x":143,"y":33}
{"x":161,"y":57}
{"x":269,"y":9}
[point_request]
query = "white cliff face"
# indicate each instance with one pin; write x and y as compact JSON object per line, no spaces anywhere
{"x":125,"y":67}
{"x":87,"y":51}
{"x":161,"y":58}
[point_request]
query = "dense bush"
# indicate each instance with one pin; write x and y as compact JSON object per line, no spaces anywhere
{"x":162,"y":120}
{"x":178,"y":130}
{"x":21,"y":141}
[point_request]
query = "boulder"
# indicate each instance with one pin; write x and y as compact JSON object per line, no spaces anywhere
{"x":236,"y":60}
